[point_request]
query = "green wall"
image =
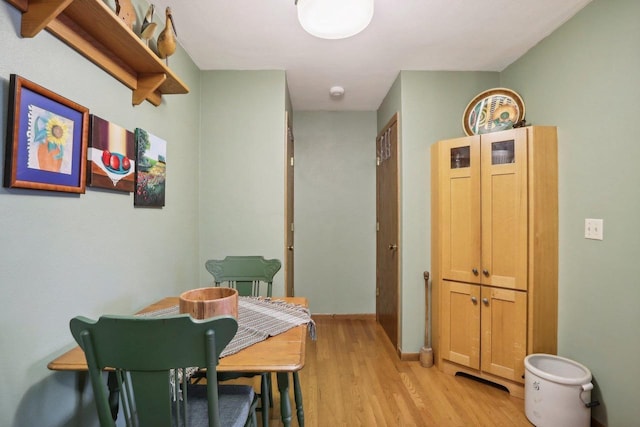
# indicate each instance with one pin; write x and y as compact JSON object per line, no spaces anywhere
{"x":391,"y":104}
{"x":242,"y":155}
{"x":63,"y":255}
{"x":432,"y":107}
{"x":335,"y":210}
{"x":584,"y":78}
{"x":431,"y":104}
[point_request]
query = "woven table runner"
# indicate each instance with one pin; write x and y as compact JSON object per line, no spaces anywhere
{"x":258,"y":319}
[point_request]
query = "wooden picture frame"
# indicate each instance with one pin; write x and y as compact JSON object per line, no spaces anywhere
{"x":111,"y":156}
{"x":151,"y":170}
{"x":46,"y":146}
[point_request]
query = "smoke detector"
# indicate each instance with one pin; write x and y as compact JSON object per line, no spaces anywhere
{"x":336,"y":92}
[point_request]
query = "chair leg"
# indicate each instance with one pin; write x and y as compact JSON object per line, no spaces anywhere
{"x":265,"y":392}
{"x":297,"y":393}
{"x":270,"y":390}
{"x":114,"y":394}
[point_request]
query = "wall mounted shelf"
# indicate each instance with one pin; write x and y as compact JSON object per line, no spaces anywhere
{"x":94,"y":30}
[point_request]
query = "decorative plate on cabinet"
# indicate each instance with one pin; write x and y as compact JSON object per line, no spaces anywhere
{"x":493,"y":110}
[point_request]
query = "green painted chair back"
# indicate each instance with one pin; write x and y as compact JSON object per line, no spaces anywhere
{"x":245,"y":273}
{"x":146,"y":353}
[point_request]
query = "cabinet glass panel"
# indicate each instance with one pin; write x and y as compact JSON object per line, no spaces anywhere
{"x":460,"y":157}
{"x":502,"y":152}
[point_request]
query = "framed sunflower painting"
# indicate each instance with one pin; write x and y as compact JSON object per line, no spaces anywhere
{"x":46,"y":147}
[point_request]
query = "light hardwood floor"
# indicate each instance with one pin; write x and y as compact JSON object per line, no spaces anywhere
{"x":353,"y":377}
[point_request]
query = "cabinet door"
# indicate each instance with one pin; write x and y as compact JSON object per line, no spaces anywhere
{"x":460,"y":339}
{"x":460,"y":208}
{"x":504,"y":209}
{"x":504,"y":332}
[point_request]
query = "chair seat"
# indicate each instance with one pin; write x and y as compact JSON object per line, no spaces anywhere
{"x":234,"y":402}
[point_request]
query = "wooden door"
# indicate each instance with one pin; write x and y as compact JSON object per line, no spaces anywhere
{"x":504,"y":332}
{"x":460,"y":335}
{"x":460,"y":208}
{"x":387,"y":237}
{"x":504,"y":209}
{"x":289,"y":227}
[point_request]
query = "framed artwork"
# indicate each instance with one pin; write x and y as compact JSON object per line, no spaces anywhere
{"x":111,"y":156}
{"x":47,"y":134}
{"x":151,"y":168}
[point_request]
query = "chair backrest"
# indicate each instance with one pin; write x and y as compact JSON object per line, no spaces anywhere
{"x":148,"y":354}
{"x":245,"y":273}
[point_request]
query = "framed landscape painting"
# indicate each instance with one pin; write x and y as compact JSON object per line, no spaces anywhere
{"x":47,"y":134}
{"x":111,"y":156}
{"x":151,"y":168}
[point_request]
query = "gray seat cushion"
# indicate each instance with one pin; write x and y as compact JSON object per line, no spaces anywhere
{"x":234,"y":402}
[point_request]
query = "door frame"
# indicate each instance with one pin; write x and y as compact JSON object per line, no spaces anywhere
{"x":289,"y":208}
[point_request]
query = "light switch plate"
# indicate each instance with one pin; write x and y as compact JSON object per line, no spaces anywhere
{"x":593,"y":229}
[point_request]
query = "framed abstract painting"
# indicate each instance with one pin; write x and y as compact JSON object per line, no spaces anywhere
{"x":151,"y":168}
{"x":47,"y":136}
{"x":111,"y":156}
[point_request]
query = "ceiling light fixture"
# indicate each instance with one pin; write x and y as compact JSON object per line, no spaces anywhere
{"x":334,"y":19}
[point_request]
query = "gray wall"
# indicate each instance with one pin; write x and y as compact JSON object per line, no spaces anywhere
{"x":584,"y":78}
{"x":64,"y":255}
{"x":335,"y":210}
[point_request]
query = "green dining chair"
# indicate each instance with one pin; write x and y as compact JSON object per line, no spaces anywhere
{"x":248,"y":274}
{"x":150,"y":357}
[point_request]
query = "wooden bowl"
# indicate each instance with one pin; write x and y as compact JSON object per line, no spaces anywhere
{"x":209,"y":302}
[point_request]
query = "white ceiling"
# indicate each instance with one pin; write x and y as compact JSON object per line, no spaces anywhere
{"x":477,"y":35}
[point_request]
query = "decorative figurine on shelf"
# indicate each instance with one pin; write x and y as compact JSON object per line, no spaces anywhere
{"x":148,"y":27}
{"x":167,"y":38}
{"x":126,"y":12}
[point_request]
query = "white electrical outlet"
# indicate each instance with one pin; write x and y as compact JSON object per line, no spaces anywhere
{"x":593,"y":229}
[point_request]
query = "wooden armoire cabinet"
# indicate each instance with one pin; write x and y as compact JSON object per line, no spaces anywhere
{"x":494,"y":202}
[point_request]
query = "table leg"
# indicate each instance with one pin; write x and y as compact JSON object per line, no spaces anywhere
{"x":285,"y":405}
{"x":297,"y":392}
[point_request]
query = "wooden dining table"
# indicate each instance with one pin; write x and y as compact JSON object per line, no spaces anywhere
{"x":282,"y":354}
